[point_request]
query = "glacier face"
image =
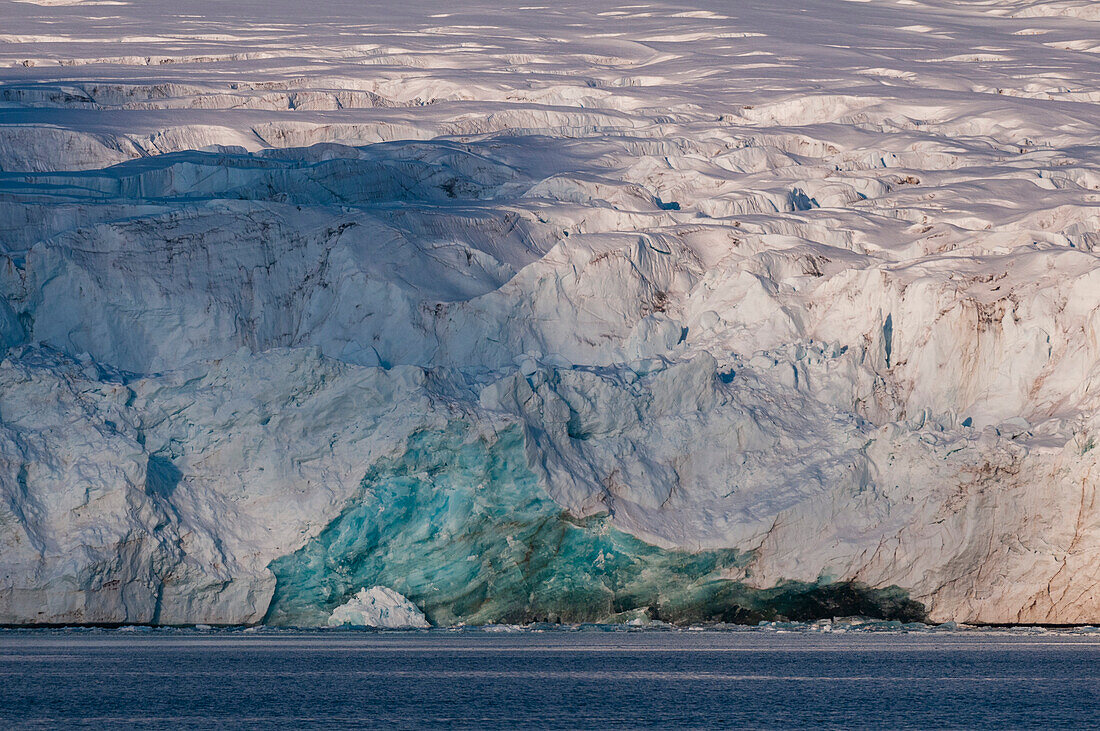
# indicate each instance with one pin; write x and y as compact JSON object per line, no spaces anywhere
{"x":576,"y":313}
{"x":460,"y":524}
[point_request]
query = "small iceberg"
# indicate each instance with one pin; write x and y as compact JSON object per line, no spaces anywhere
{"x":378,"y":607}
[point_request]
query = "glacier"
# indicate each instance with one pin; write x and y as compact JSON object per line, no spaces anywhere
{"x":687,"y":312}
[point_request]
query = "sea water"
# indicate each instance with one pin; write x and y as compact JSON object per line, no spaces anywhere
{"x":548,"y":679}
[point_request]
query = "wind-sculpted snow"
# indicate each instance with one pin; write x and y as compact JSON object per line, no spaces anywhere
{"x":584,"y":312}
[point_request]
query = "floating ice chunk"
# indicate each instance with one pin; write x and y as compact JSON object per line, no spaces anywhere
{"x":378,"y":607}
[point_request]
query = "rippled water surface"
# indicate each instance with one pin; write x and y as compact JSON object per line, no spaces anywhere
{"x":749,"y":679}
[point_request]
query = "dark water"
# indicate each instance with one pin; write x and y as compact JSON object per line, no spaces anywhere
{"x":548,"y":680}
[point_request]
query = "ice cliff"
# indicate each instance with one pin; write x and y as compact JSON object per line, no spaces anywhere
{"x":700,"y":311}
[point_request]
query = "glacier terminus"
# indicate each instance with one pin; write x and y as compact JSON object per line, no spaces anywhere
{"x":394,"y":314}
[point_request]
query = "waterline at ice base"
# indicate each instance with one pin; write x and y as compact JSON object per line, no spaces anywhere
{"x":435,"y":315}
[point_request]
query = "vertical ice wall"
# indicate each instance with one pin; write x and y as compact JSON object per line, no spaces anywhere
{"x":758,"y":303}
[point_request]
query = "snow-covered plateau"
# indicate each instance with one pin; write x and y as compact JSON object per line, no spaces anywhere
{"x":687,"y":310}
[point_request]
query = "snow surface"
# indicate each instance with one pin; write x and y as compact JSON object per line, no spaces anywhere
{"x":378,"y":607}
{"x":805,"y":289}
